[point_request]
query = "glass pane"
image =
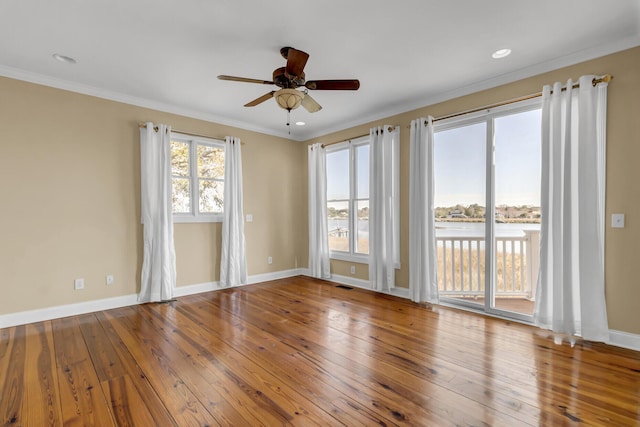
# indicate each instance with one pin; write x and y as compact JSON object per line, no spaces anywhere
{"x":211,"y":194}
{"x":179,"y":158}
{"x":459,"y":171}
{"x":181,"y":195}
{"x":362,"y":238}
{"x":362,"y":169}
{"x":517,"y":189}
{"x":210,"y":162}
{"x":338,"y":225}
{"x":338,"y":175}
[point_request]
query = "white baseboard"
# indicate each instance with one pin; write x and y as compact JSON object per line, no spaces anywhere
{"x":617,"y":338}
{"x":198,"y":288}
{"x":57,"y":312}
{"x":624,"y":339}
{"x":349,"y":281}
{"x":364,"y":284}
{"x":265,"y":277}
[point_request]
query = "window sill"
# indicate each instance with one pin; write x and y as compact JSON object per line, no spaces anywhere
{"x":342,"y":256}
{"x":186,"y":219}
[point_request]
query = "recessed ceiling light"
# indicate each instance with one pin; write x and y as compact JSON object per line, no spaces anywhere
{"x":65,"y":59}
{"x":300,"y":123}
{"x":500,"y":53}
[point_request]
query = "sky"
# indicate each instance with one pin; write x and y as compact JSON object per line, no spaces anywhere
{"x":460,"y":162}
{"x":338,"y":173}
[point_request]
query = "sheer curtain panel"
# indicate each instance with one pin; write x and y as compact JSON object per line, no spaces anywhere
{"x":571,"y":297}
{"x":318,"y":235}
{"x":422,"y":240}
{"x":384,"y":252}
{"x":159,"y":258}
{"x":233,"y":260}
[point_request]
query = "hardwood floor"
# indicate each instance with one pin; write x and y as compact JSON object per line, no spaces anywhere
{"x":303,"y":352}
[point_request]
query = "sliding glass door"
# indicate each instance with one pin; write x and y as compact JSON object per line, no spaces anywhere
{"x":487,"y":209}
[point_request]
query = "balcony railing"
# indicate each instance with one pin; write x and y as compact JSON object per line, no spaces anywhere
{"x":461,"y":265}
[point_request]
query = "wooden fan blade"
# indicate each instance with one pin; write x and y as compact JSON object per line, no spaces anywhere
{"x":260,"y":100}
{"x":296,"y":60}
{"x":333,"y":84}
{"x":310,"y":104}
{"x":244,"y":80}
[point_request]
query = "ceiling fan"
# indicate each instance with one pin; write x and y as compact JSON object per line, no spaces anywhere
{"x":289,"y":79}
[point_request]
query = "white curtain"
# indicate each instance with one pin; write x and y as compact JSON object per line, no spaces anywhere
{"x":159,"y":258}
{"x":233,"y":260}
{"x":318,"y":236}
{"x":422,"y":240}
{"x":570,"y":297}
{"x":384,"y":251}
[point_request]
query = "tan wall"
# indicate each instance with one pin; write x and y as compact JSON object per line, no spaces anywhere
{"x":70,"y":192}
{"x":623,"y":173}
{"x":69,"y":165}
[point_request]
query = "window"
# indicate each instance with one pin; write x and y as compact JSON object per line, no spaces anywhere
{"x":197,"y":176}
{"x":348,"y":200}
{"x":488,"y":165}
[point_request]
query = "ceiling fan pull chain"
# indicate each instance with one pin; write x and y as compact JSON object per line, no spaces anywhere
{"x":289,"y":121}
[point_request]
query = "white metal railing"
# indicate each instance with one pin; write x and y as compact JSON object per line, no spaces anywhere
{"x":461,"y":265}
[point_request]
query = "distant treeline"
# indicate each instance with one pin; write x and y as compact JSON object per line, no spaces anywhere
{"x":476,"y":213}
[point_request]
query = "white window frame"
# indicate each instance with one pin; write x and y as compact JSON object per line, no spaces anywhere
{"x":351,"y":145}
{"x":195,"y":215}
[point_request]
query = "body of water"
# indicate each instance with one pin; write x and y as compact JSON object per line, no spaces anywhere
{"x":343,"y":224}
{"x":449,"y":229}
{"x":446,"y":229}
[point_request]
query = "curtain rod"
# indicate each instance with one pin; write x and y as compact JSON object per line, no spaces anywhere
{"x":605,"y":78}
{"x":144,"y":126}
{"x":390,"y":129}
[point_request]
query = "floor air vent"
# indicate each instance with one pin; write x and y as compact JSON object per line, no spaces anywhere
{"x":344,"y":287}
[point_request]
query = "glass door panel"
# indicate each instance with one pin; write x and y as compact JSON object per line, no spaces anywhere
{"x":517,"y":210}
{"x":460,"y":199}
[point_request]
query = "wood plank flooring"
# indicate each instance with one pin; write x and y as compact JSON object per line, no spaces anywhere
{"x":303,"y":352}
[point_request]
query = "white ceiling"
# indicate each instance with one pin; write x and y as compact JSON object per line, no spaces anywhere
{"x":166,"y":54}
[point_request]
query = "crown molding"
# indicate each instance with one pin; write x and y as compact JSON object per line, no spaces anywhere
{"x":54,"y":82}
{"x":535,"y":69}
{"x":523,"y":73}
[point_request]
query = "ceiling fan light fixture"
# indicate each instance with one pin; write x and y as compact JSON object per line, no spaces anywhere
{"x":289,"y":99}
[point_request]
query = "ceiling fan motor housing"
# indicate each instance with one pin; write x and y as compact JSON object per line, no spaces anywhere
{"x":283,"y":80}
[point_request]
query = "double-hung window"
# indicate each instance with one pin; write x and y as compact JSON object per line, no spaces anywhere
{"x":197,"y":177}
{"x":348,"y":200}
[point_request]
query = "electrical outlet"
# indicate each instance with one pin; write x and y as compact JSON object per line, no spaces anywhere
{"x":353,"y":269}
{"x":269,"y":260}
{"x":78,"y":284}
{"x":109,"y":279}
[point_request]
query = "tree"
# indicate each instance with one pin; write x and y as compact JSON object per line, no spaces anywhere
{"x":210,"y":177}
